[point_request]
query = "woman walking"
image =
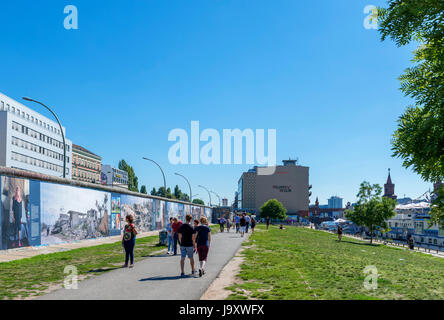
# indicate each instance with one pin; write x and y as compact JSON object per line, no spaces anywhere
{"x":17,"y":210}
{"x":129,"y":240}
{"x":253,"y":224}
{"x":202,"y":241}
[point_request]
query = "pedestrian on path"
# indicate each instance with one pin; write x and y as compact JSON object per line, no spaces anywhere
{"x":339,"y":233}
{"x":228,"y":224}
{"x":247,"y":219}
{"x":242,"y":224}
{"x":187,"y":244}
{"x":195,"y":223}
{"x":411,"y":243}
{"x":176,"y":225}
{"x":202,"y":240}
{"x":253,"y":224}
{"x":222,"y":224}
{"x":129,"y":240}
{"x":237,"y":220}
{"x":169,"y":229}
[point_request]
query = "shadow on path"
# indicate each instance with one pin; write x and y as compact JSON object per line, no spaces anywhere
{"x":361,"y":243}
{"x":166,"y":278}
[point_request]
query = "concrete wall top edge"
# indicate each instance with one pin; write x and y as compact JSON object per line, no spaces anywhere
{"x":5,"y":171}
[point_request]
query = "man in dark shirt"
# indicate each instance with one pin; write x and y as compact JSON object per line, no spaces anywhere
{"x":174,"y":233}
{"x":187,"y":242}
{"x":243,"y":224}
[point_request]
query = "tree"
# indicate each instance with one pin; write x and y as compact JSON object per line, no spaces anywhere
{"x":133,"y":181}
{"x":143,"y":189}
{"x":198,"y":201}
{"x":153,"y":192}
{"x":177,"y":192}
{"x":372,"y":210}
{"x":273,"y":209}
{"x":419,"y":138}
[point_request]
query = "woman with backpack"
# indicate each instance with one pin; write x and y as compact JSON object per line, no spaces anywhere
{"x":129,"y":240}
{"x":253,"y":224}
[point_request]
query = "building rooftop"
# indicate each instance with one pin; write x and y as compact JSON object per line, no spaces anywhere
{"x":80,"y":148}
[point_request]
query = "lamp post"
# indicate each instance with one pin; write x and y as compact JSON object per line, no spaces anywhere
{"x":216,"y":196}
{"x":209,"y":195}
{"x":164,"y":181}
{"x":61,"y":130}
{"x":191,"y":195}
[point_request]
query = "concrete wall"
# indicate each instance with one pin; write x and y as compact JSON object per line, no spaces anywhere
{"x":50,"y":210}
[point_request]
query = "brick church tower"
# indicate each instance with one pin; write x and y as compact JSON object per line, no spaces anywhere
{"x":389,"y":188}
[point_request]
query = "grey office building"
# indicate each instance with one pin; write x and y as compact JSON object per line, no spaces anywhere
{"x":289,"y":184}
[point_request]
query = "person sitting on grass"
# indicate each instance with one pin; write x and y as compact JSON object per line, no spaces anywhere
{"x":282,"y":226}
{"x":129,"y":240}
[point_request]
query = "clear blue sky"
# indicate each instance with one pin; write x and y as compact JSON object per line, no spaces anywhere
{"x":134,"y":70}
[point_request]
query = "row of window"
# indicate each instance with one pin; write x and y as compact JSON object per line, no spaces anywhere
{"x":32,"y":133}
{"x":16,"y":111}
{"x":86,"y":163}
{"x":40,"y":136}
{"x":84,"y":175}
{"x":33,"y":147}
{"x":37,"y":162}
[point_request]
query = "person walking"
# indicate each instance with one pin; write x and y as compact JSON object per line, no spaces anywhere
{"x":195,"y":223}
{"x":129,"y":240}
{"x":202,"y":240}
{"x":411,"y":243}
{"x":169,"y":229}
{"x":242,"y":224}
{"x":17,"y":211}
{"x":267,"y":222}
{"x":253,"y":224}
{"x":247,"y":219}
{"x":236,"y":221}
{"x":222,"y":224}
{"x":175,"y":226}
{"x":339,"y":233}
{"x":187,"y":244}
{"x":229,"y":224}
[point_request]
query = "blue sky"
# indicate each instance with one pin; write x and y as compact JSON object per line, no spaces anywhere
{"x":135,"y":70}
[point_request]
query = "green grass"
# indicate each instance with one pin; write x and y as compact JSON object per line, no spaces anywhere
{"x":299,"y":263}
{"x":32,"y":276}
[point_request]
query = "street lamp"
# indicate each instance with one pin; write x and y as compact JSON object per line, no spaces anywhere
{"x":207,"y":191}
{"x":191,"y":195}
{"x":216,"y":196}
{"x":164,"y":181}
{"x":61,"y":130}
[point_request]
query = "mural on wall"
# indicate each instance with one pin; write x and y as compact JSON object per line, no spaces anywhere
{"x":115,"y":214}
{"x":19,"y":214}
{"x":172,"y":211}
{"x":34,"y":213}
{"x":195,"y":212}
{"x":71,"y":213}
{"x":142,"y":210}
{"x":208,"y":212}
{"x":160,"y":211}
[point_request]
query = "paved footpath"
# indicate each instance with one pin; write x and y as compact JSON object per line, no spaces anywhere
{"x":157,"y":277}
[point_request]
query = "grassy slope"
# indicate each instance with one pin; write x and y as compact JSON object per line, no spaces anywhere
{"x":32,"y":276}
{"x":298,"y":263}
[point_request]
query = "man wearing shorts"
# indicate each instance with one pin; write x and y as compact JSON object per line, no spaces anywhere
{"x":237,"y":220}
{"x":242,"y":225}
{"x":186,"y":240}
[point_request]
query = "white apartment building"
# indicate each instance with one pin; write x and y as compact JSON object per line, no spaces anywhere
{"x":30,"y":141}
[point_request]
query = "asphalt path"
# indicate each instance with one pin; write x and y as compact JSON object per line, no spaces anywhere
{"x":156,"y":277}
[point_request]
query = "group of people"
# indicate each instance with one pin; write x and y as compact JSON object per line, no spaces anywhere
{"x":243,"y":222}
{"x":192,"y":239}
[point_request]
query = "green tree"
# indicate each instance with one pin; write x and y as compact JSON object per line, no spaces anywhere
{"x":143,"y":189}
{"x":372,"y":210}
{"x":273,"y":209}
{"x":133,"y":181}
{"x":153,"y":192}
{"x":419,"y":138}
{"x":198,"y":201}
{"x":177,"y":192}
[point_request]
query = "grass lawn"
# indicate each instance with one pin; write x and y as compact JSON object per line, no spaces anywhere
{"x":32,"y":276}
{"x":299,"y":263}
